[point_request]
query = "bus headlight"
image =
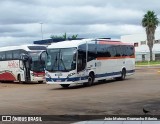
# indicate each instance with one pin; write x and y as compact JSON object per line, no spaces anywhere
{"x":71,"y":74}
{"x":47,"y":75}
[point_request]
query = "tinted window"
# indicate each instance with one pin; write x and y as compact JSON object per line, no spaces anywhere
{"x":16,"y":54}
{"x":124,"y":50}
{"x":82,"y":50}
{"x":118,"y":51}
{"x":130,"y":50}
{"x":9,"y":55}
{"x":2,"y":55}
{"x":82,"y":47}
{"x":37,"y":47}
{"x":91,"y":52}
{"x":112,"y":51}
{"x":81,"y":62}
{"x":101,"y":50}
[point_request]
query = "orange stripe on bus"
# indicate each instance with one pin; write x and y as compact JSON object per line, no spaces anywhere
{"x":114,"y":43}
{"x":123,"y":57}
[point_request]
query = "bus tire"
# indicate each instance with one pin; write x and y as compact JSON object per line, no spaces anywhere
{"x":90,"y":80}
{"x":65,"y":85}
{"x":19,"y":79}
{"x":40,"y":82}
{"x":123,"y":75}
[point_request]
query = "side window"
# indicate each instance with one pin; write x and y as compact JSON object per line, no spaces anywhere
{"x":2,"y":56}
{"x":118,"y":51}
{"x":8,"y":55}
{"x":101,"y":50}
{"x":124,"y":50}
{"x":81,"y":62}
{"x":131,"y":50}
{"x":112,"y":51}
{"x":91,"y":52}
{"x":108,"y":52}
{"x":16,"y":54}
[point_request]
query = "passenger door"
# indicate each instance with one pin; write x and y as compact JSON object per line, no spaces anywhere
{"x":22,"y":70}
{"x":81,"y":65}
{"x":26,"y":60}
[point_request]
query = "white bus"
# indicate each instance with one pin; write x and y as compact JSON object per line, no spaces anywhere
{"x":22,"y":63}
{"x":86,"y":61}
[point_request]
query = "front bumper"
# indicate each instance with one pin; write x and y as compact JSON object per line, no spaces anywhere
{"x":37,"y":79}
{"x":68,"y":82}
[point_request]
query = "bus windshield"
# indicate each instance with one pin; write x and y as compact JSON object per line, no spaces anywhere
{"x":61,"y":59}
{"x":36,"y":65}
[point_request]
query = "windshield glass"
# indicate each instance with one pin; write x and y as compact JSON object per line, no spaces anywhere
{"x":61,"y":59}
{"x":36,"y":65}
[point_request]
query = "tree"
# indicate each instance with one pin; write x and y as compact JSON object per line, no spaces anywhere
{"x":57,"y":37}
{"x":150,"y":23}
{"x":74,"y":36}
{"x":64,"y":37}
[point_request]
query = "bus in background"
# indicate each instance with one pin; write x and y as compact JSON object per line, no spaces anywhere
{"x":22,"y":63}
{"x":86,"y":61}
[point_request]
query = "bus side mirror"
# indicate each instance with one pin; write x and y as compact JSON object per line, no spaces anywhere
{"x":43,"y":56}
{"x":24,"y":57}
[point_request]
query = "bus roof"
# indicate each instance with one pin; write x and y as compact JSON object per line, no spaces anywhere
{"x":76,"y":43}
{"x":68,"y":43}
{"x":28,"y":47}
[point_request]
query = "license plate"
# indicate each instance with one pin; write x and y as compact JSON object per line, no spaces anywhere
{"x":59,"y":74}
{"x":58,"y":80}
{"x":40,"y":75}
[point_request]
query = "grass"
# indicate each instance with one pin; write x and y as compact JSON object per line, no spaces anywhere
{"x":148,"y":63}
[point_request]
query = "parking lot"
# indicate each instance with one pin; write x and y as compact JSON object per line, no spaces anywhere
{"x":126,"y":97}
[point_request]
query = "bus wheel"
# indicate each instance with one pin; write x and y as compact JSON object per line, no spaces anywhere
{"x":65,"y":85}
{"x":40,"y":82}
{"x":19,"y":79}
{"x":90,"y":80}
{"x":123,"y":75}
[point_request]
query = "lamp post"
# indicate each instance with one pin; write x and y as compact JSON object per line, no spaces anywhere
{"x":41,"y":30}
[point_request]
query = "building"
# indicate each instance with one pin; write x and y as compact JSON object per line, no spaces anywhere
{"x":141,"y":47}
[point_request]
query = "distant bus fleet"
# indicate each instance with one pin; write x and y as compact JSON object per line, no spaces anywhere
{"x":83,"y":61}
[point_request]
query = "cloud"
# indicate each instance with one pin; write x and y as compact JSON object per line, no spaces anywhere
{"x":13,"y":41}
{"x":20,"y":19}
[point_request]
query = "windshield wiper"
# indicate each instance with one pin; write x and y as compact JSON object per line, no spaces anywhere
{"x":63,"y":64}
{"x":61,"y":60}
{"x":55,"y":63}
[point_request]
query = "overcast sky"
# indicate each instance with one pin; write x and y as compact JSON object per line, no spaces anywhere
{"x":20,"y":19}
